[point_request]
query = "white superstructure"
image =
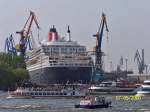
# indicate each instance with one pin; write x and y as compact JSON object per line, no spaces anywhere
{"x":144,"y":89}
{"x":60,"y":52}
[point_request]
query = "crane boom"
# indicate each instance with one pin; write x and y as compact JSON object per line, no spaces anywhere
{"x":10,"y":45}
{"x":24,"y":33}
{"x":101,"y":29}
{"x":140,"y":61}
{"x":33,"y":18}
{"x":99,"y":36}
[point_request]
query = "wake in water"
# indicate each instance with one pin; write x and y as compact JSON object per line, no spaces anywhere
{"x":21,"y":107}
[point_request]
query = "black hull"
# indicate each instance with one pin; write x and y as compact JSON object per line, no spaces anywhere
{"x":93,"y":106}
{"x":115,"y":89}
{"x":61,"y":75}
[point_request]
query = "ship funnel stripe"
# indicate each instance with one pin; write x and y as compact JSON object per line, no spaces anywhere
{"x":56,"y":36}
{"x":52,"y":36}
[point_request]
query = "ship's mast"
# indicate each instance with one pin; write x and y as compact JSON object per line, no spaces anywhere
{"x":68,"y":34}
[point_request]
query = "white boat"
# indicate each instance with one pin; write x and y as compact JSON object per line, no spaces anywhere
{"x":111,"y":87}
{"x":94,"y":102}
{"x":144,"y":89}
{"x":103,"y":87}
{"x":67,"y":90}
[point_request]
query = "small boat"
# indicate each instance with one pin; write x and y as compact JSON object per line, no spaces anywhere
{"x":144,"y":89}
{"x":111,"y":87}
{"x":67,"y":90}
{"x":94,"y":102}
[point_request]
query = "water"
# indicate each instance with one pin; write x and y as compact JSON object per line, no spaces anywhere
{"x":67,"y":105}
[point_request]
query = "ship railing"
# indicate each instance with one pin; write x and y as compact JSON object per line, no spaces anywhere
{"x":72,"y":62}
{"x":67,"y":55}
{"x":68,"y":65}
{"x":63,"y":87}
{"x":50,"y":88}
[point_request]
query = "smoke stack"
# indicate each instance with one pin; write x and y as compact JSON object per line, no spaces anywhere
{"x":53,"y":35}
{"x":68,"y":34}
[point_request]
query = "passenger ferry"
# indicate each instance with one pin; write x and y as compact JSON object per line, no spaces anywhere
{"x":144,"y":89}
{"x":111,"y":87}
{"x":57,"y":90}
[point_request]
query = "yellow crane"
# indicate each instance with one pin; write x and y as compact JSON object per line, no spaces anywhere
{"x":99,"y":36}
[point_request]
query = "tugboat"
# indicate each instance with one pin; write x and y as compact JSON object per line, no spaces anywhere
{"x":94,"y":102}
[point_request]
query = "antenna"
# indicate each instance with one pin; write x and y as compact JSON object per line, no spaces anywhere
{"x":68,"y":34}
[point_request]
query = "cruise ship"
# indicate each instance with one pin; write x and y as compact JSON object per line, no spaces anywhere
{"x":59,"y":60}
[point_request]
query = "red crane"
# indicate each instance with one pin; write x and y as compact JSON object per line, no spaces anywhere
{"x":24,"y":33}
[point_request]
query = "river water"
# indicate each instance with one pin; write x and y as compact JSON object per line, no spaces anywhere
{"x":67,"y":105}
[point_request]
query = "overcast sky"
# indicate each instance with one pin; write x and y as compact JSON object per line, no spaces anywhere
{"x":128,"y":23}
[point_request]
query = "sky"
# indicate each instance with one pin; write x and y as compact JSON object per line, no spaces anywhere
{"x":128,"y":24}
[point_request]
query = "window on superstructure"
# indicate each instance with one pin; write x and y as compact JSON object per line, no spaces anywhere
{"x":73,"y":49}
{"x":82,"y":49}
{"x":32,"y":93}
{"x":62,"y":50}
{"x":49,"y":49}
{"x":55,"y":51}
{"x":46,"y":49}
{"x":70,"y":49}
{"x":78,"y":50}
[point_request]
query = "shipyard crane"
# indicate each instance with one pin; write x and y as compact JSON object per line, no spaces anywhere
{"x":10,"y":45}
{"x":140,"y":61}
{"x":98,"y":50}
{"x":25,"y":40}
{"x":120,"y":65}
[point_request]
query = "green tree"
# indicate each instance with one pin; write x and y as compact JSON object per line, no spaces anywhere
{"x":21,"y":74}
{"x":7,"y":77}
{"x":12,"y":71}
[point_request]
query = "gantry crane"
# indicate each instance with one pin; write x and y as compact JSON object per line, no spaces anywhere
{"x":25,"y":39}
{"x":140,"y":61}
{"x":10,"y":46}
{"x":98,"y":50}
